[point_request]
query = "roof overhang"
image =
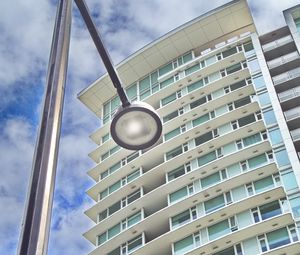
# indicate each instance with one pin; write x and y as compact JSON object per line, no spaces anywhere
{"x":204,"y":31}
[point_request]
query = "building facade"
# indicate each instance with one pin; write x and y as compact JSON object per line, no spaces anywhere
{"x":224,"y":178}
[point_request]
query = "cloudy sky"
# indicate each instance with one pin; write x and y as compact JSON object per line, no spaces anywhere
{"x":26,"y":31}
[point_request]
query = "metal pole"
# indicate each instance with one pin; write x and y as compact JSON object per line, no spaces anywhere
{"x":36,"y":222}
{"x":96,"y":36}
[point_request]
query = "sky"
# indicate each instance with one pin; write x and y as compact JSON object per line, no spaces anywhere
{"x":26,"y":30}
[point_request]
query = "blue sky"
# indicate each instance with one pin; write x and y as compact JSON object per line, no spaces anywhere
{"x":26,"y":31}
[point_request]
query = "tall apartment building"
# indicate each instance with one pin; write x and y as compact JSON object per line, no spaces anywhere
{"x":224,"y":178}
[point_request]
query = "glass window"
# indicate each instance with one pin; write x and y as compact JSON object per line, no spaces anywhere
{"x":269,"y":117}
{"x":210,"y":180}
{"x":214,"y":204}
{"x":154,"y":77}
{"x":198,"y":102}
{"x":105,"y":138}
{"x":176,"y":173}
{"x":115,"y":252}
{"x":221,"y":110}
{"x":233,"y":68}
{"x":165,"y":69}
{"x":278,"y":238}
{"x":172,"y":134}
{"x":195,"y":85}
{"x":218,"y":230}
{"x":106,"y":108}
{"x":295,"y":204}
{"x":218,"y":93}
{"x":259,"y":82}
{"x":228,"y":251}
{"x":237,"y":85}
{"x":275,"y":136}
{"x":207,"y":158}
{"x":115,"y":186}
{"x":229,"y":52}
{"x":257,"y":161}
{"x":192,"y":69}
{"x":282,"y":158}
{"x":167,"y":82}
{"x":133,"y":176}
{"x":184,"y":245}
{"x":254,"y":65}
{"x":214,"y":76}
{"x":134,"y":219}
{"x":229,"y":148}
{"x":115,"y":167}
{"x":203,"y":138}
{"x":173,"y":153}
{"x":168,"y":99}
{"x":181,"y":218}
{"x":264,"y":99}
{"x":114,"y":230}
{"x":115,"y":207}
{"x":226,"y":128}
{"x":170,"y":116}
{"x":263,"y":184}
{"x":144,"y":84}
{"x":186,"y":58}
{"x":270,"y":210}
{"x":289,"y":180}
{"x":242,"y":102}
{"x":251,"y":139}
{"x":211,"y":60}
{"x":102,"y":238}
{"x":115,"y":103}
{"x":179,"y":194}
{"x":104,"y":156}
{"x":200,"y":120}
{"x":135,"y":243}
{"x":246,"y":120}
{"x":249,"y":50}
{"x":132,"y":92}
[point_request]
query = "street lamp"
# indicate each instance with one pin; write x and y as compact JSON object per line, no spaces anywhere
{"x":135,"y":126}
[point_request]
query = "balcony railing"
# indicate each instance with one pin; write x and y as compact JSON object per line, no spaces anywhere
{"x":283,"y":59}
{"x":289,"y":94}
{"x":292,"y":114}
{"x":277,"y":43}
{"x":286,"y":76}
{"x":295,"y":134}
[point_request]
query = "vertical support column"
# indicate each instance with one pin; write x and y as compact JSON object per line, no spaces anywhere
{"x":36,"y":222}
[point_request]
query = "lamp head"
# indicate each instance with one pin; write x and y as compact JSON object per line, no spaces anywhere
{"x":136,"y":126}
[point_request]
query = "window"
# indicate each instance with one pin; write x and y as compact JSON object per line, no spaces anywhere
{"x":295,"y":204}
{"x":229,"y":52}
{"x":167,"y":82}
{"x":134,"y":244}
{"x":269,"y":117}
{"x":168,"y":99}
{"x":246,"y":120}
{"x":192,"y":69}
{"x":282,"y":158}
{"x":198,"y":102}
{"x":270,"y":210}
{"x":278,"y":238}
{"x":210,"y":60}
{"x":289,"y":180}
{"x":165,"y":69}
{"x":218,"y":230}
{"x":259,"y":82}
{"x":210,"y":180}
{"x":176,"y":173}
{"x":207,"y":158}
{"x":214,"y":204}
{"x":237,"y":85}
{"x":172,"y":134}
{"x":233,"y":68}
{"x":203,"y":138}
{"x":200,"y":120}
{"x":195,"y":85}
{"x":248,"y":48}
{"x":173,"y":153}
{"x":170,"y":116}
{"x":257,"y":161}
{"x":183,"y":245}
{"x":251,"y":139}
{"x":242,"y":102}
{"x":179,"y":194}
{"x":254,"y":65}
{"x":263,"y":184}
{"x":181,"y":219}
{"x":105,"y":138}
{"x":264,"y":99}
{"x":275,"y":136}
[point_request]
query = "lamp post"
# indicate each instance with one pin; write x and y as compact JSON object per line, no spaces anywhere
{"x":135,"y":126}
